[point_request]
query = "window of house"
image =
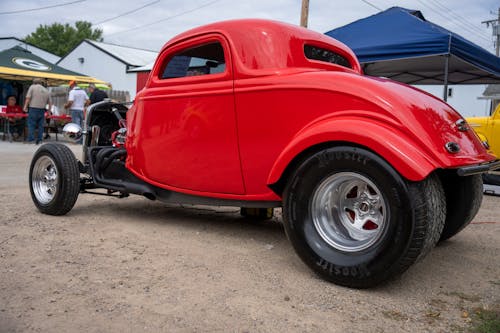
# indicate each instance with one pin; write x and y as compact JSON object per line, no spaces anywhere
{"x":321,"y":54}
{"x":201,"y":60}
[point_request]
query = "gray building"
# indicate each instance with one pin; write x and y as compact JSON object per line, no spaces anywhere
{"x":108,"y":62}
{"x":10,"y":42}
{"x":492,"y":93}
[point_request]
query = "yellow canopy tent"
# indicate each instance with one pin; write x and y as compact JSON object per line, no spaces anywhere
{"x":21,"y":65}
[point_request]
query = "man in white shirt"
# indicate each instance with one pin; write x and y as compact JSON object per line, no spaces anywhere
{"x":77,"y":101}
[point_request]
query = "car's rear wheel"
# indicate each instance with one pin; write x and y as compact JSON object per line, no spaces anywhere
{"x":54,"y":179}
{"x":349,"y":211}
{"x":355,"y":221}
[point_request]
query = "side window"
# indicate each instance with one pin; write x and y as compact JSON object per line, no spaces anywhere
{"x":321,"y":54}
{"x":200,"y":60}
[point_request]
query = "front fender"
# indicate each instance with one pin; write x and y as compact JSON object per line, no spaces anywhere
{"x":395,"y":146}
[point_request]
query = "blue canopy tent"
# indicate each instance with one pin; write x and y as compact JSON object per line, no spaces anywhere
{"x":401,"y":44}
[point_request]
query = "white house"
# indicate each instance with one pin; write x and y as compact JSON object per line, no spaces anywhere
{"x":10,"y":42}
{"x":108,"y":62}
{"x":463,"y":98}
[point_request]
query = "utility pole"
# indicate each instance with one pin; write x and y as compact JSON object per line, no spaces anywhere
{"x":495,"y":25}
{"x":305,"y":13}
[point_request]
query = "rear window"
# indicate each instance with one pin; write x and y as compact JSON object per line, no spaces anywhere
{"x":321,"y":54}
{"x":201,"y":60}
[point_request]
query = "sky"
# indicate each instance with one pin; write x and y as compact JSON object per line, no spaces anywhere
{"x":149,"y":24}
{"x":157,"y":21}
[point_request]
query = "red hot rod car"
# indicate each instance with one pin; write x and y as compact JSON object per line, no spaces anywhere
{"x":370,"y":173}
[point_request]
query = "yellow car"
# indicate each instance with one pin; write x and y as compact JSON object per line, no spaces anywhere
{"x":488,"y":130}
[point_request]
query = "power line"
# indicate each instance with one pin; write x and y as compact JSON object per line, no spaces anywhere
{"x":452,"y":19}
{"x":495,"y":26}
{"x":372,"y":5}
{"x":126,"y":13}
{"x":164,"y":19}
{"x":460,"y":20}
{"x":457,"y":21}
{"x":459,"y":17}
{"x":40,"y":8}
{"x":438,"y":12}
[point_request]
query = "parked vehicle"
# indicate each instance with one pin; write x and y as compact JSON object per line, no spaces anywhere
{"x":488,"y":130}
{"x":370,"y":173}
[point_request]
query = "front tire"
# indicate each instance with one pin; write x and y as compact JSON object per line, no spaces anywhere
{"x":54,"y":179}
{"x":355,"y":221}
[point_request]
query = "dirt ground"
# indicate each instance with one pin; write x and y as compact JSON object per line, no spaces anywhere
{"x":132,"y":265}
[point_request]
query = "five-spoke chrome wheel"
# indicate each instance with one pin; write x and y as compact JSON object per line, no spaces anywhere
{"x":356,"y":221}
{"x":349,"y":212}
{"x":44,"y":179}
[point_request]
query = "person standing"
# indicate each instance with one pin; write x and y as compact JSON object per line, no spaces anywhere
{"x":96,"y":94}
{"x":36,"y":102}
{"x":77,"y":100}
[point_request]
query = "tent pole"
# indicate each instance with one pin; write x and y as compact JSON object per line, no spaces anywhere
{"x":446,"y":67}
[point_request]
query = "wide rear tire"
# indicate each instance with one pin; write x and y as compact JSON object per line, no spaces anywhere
{"x":54,"y":179}
{"x":355,"y":221}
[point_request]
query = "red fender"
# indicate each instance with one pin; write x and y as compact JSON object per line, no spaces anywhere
{"x":397,"y":148}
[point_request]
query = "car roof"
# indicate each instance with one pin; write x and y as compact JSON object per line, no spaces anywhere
{"x":266,"y":44}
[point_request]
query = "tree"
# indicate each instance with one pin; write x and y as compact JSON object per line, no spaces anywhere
{"x":60,"y":39}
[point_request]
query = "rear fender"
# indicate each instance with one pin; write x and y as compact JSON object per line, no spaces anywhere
{"x":393,"y":145}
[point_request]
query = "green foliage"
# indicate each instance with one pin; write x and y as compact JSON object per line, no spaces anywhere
{"x":60,"y":39}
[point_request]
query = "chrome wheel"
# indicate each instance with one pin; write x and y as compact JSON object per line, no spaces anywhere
{"x":44,"y":179}
{"x":349,"y":212}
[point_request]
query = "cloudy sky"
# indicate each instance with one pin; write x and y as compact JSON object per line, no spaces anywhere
{"x":125,"y":22}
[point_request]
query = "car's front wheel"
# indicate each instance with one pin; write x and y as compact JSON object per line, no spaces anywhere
{"x":355,"y":221}
{"x":54,"y":179}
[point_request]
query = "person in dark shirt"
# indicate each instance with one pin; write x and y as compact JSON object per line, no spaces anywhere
{"x":96,"y":95}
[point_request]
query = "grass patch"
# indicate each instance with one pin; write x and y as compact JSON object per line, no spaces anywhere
{"x":486,"y":320}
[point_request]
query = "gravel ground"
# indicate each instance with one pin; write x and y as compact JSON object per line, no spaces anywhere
{"x":132,"y":265}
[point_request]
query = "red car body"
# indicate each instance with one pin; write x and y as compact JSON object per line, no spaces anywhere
{"x":232,"y":135}
{"x":370,"y":173}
